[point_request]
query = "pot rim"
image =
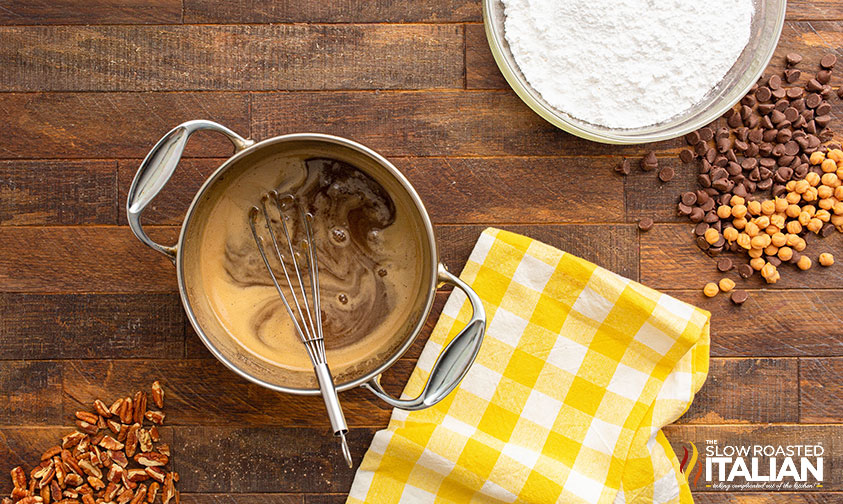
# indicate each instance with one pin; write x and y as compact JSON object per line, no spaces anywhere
{"x":319,"y":137}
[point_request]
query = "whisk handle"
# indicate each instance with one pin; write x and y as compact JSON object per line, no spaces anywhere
{"x":332,"y":404}
{"x":453,"y":363}
{"x":157,"y":168}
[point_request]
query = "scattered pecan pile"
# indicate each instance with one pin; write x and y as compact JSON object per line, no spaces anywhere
{"x":110,"y":459}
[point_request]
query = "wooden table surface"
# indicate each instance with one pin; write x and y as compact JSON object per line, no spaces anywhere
{"x":86,"y":311}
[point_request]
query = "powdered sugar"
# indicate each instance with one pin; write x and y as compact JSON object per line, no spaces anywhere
{"x":626,"y":63}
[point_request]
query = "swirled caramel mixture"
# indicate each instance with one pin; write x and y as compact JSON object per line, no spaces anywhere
{"x":368,"y":256}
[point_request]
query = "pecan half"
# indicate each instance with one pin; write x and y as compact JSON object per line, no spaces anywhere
{"x":96,"y":483}
{"x":48,"y":477}
{"x":151,"y":459}
{"x":115,"y":407}
{"x":101,"y":409}
{"x":139,"y":407}
{"x":156,"y":473}
{"x":113,"y":426}
{"x":55,"y":489}
{"x":70,"y":462}
{"x":86,"y":417}
{"x":140,"y":495}
{"x":158,"y":394}
{"x":86,"y":427}
{"x":164,"y":449}
{"x":132,"y":440}
{"x":126,"y":496}
{"x":119,"y":458}
{"x":44,"y":492}
{"x":31,"y":499}
{"x":169,"y":489}
{"x":51,"y":452}
{"x":88,"y":499}
{"x":101,"y":423}
{"x":136,"y":475}
{"x":18,"y":477}
{"x":156,"y":417}
{"x":61,"y":470}
{"x":42,"y":470}
{"x":73,"y":480}
{"x":109,"y":443}
{"x":153,"y":433}
{"x":96,"y":439}
{"x":111,"y":491}
{"x":72,"y":440}
{"x":70,"y":493}
{"x":152,"y":492}
{"x":126,"y":411}
{"x":89,"y":468}
{"x":115,"y":474}
{"x":121,"y":436}
{"x":144,"y":440}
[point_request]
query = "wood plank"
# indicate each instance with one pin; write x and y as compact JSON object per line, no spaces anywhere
{"x":85,"y":326}
{"x":430,"y":123}
{"x":111,"y":125}
{"x":647,"y":196}
{"x":204,"y":392}
{"x":670,"y":259}
{"x":829,"y":436}
{"x":322,"y":11}
{"x":812,"y":497}
{"x":481,"y":71}
{"x":90,"y":12}
{"x":110,"y":259}
{"x":84,"y":259}
{"x":612,"y":247}
{"x":821,"y":390}
{"x":250,"y":459}
{"x":768,"y":391}
{"x":263,"y":498}
{"x":30,"y":393}
{"x":325,"y":499}
{"x":454,"y":190}
{"x":57,"y":192}
{"x":235,"y":58}
{"x":773,"y":323}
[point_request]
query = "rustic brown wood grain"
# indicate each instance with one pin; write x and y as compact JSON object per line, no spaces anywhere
{"x":110,"y":259}
{"x":109,"y":125}
{"x":429,"y":123}
{"x":479,"y":73}
{"x":454,"y":190}
{"x":240,"y":57}
{"x":263,"y":498}
{"x":646,"y":196}
{"x":671,"y":260}
{"x":323,"y":11}
{"x":57,"y":192}
{"x":204,"y":392}
{"x":773,"y":323}
{"x":821,"y":390}
{"x":814,"y":9}
{"x":325,"y":499}
{"x":24,"y":12}
{"x":265,"y":459}
{"x":768,"y":391}
{"x":84,"y":259}
{"x":79,"y":326}
{"x":830,"y":436}
{"x":30,"y":393}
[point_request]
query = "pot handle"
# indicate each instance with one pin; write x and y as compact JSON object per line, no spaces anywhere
{"x":157,"y":168}
{"x":452,"y":364}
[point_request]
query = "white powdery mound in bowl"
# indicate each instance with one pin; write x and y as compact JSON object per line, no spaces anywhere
{"x":626,"y":63}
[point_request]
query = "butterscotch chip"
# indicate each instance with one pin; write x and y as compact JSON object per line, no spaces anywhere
{"x":726,"y":284}
{"x":804,"y":263}
{"x":711,"y":289}
{"x":826,"y":259}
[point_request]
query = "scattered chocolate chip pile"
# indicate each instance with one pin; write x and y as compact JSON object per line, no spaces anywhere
{"x":765,"y":177}
{"x":90,"y":466}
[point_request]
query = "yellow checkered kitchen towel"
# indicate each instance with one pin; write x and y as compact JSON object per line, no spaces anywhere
{"x":579,"y":371}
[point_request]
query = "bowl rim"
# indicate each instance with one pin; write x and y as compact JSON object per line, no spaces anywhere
{"x":548,"y":114}
{"x":432,"y":280}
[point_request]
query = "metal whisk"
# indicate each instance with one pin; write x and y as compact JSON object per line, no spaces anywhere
{"x":305,"y":314}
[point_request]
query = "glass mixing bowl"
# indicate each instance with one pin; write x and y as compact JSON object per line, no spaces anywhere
{"x":767,"y":22}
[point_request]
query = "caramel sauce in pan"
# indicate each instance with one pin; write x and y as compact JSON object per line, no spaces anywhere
{"x":368,"y":255}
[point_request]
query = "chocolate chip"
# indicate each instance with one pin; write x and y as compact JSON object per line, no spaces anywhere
{"x":791,"y":114}
{"x":735,"y":121}
{"x":763,"y":94}
{"x":824,"y":76}
{"x":623,"y":167}
{"x":745,"y":270}
{"x":686,"y":155}
{"x":791,"y":148}
{"x":840,"y":92}
{"x":777,"y":116}
{"x":706,"y":134}
{"x":704,"y":180}
{"x":792,"y":75}
{"x":645,"y":224}
{"x":725,"y":264}
{"x":794,"y":92}
{"x":793,"y":58}
{"x":739,"y":297}
{"x":775,"y":82}
{"x":692,"y":138}
{"x":649,"y":162}
{"x":666,"y":174}
{"x":779,"y":93}
{"x":823,"y":120}
{"x":813,"y":85}
{"x":697,"y":214}
{"x":828,"y":61}
{"x":702,"y":243}
{"x":775,"y":261}
{"x":700,"y":229}
{"x":749,"y":100}
{"x":813,"y":100}
{"x":823,"y":108}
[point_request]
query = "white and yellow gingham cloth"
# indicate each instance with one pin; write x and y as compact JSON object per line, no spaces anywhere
{"x":579,"y":371}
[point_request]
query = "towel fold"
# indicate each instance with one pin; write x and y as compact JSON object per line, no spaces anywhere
{"x":579,"y":371}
